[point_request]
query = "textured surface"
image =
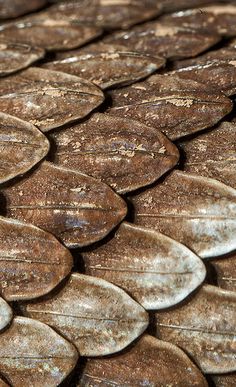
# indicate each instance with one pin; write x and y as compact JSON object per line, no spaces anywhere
{"x":14,"y":57}
{"x":5,"y":314}
{"x":228,"y":380}
{"x":123,"y":153}
{"x":224,"y":18}
{"x":155,"y":270}
{"x":172,"y":42}
{"x":106,"y":65}
{"x":46,"y":98}
{"x":148,"y":363}
{"x":216,"y":69}
{"x":14,"y":8}
{"x":33,"y":354}
{"x":214,"y":19}
{"x":194,"y":19}
{"x":78,"y":209}
{"x":48,"y":32}
{"x":226,"y":272}
{"x":22,"y":146}
{"x":98,"y":317}
{"x":33,"y":262}
{"x":196,"y":211}
{"x":108,"y":14}
{"x":173,"y":5}
{"x":213,"y":154}
{"x":205,"y":328}
{"x":175,"y":106}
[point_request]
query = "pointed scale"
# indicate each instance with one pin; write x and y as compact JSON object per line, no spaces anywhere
{"x":47,"y":98}
{"x":46,"y":31}
{"x":155,"y":270}
{"x":15,"y":8}
{"x":33,"y":354}
{"x":197,"y":211}
{"x":33,"y":262}
{"x":213,"y":154}
{"x":163,"y":39}
{"x":147,"y":363}
{"x":108,"y":14}
{"x":176,"y":106}
{"x":98,"y":317}
{"x":106,"y":65}
{"x":22,"y":146}
{"x":6,"y":314}
{"x":204,"y":327}
{"x":225,"y":270}
{"x":15,"y":56}
{"x":75,"y":207}
{"x":123,"y":153}
{"x":216,"y":69}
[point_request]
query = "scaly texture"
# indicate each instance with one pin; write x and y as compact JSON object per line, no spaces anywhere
{"x":204,"y":327}
{"x":225,"y":269}
{"x":155,"y":270}
{"x":98,"y":317}
{"x":22,"y":146}
{"x":33,"y":354}
{"x":14,"y":56}
{"x":148,"y":363}
{"x":75,"y":207}
{"x":196,"y":211}
{"x":48,"y":32}
{"x":33,"y":262}
{"x":106,"y":65}
{"x":47,"y":98}
{"x":123,"y":153}
{"x":176,"y":106}
{"x":213,"y":154}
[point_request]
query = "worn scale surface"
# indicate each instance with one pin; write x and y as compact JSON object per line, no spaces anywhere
{"x":215,"y":19}
{"x":77,"y":208}
{"x":46,"y":98}
{"x":155,"y":270}
{"x":205,"y":328}
{"x":22,"y":146}
{"x":48,"y":32}
{"x":149,"y":362}
{"x":98,"y":317}
{"x":14,"y":57}
{"x":33,"y":354}
{"x":191,"y":209}
{"x":106,"y":65}
{"x":216,"y":69}
{"x":175,"y":106}
{"x":82,"y":47}
{"x":33,"y":262}
{"x":213,"y":154}
{"x":123,"y":153}
{"x":109,"y":14}
{"x":226,"y":272}
{"x":164,"y":39}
